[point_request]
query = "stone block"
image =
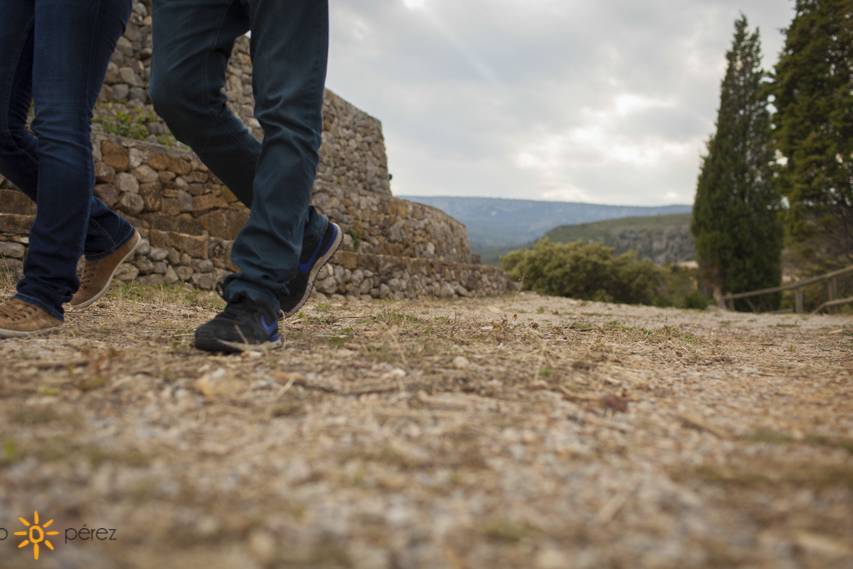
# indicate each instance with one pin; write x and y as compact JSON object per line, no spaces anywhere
{"x":12,"y":250}
{"x":15,"y":224}
{"x":146,"y":175}
{"x":171,"y":275}
{"x":127,"y":183}
{"x":158,"y":254}
{"x":153,"y":201}
{"x":132,"y":203}
{"x":185,"y":201}
{"x":170,"y":162}
{"x":170,"y":207}
{"x":144,"y":265}
{"x":115,"y":155}
{"x":137,"y":157}
{"x":224,"y":223}
{"x":204,"y":281}
{"x":207,"y":201}
{"x":183,"y":223}
{"x":347,"y":259}
{"x":14,"y":201}
{"x":192,"y":245}
{"x":152,"y":280}
{"x":104,"y":173}
{"x":107,"y":193}
{"x":126,"y":272}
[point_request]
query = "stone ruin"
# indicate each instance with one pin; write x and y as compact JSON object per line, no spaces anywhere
{"x":392,"y":248}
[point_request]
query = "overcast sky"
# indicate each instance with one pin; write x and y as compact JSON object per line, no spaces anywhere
{"x":606,"y":101}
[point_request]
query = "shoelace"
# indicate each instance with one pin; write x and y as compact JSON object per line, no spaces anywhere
{"x":16,"y":311}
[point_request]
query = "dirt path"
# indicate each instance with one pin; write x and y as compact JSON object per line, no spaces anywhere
{"x":515,"y":432}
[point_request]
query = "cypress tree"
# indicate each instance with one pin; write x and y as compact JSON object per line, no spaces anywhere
{"x":813,"y":94}
{"x":736,"y":222}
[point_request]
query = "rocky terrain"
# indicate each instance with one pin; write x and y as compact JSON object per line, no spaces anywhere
{"x":516,"y":431}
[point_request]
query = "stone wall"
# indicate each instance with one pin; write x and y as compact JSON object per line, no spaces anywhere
{"x":392,"y":247}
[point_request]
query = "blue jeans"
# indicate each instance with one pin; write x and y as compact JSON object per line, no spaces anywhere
{"x":289,"y":46}
{"x":56,"y":52}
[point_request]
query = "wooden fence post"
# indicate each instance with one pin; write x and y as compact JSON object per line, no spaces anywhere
{"x":832,"y":291}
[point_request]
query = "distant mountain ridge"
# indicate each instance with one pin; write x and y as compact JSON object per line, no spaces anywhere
{"x":664,"y":239}
{"x":497,"y":223}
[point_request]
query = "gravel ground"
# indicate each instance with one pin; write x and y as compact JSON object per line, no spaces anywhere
{"x":519,"y":431}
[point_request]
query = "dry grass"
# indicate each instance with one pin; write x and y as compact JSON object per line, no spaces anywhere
{"x":513,"y":432}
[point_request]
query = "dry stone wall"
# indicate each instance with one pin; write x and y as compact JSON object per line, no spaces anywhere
{"x":392,"y":248}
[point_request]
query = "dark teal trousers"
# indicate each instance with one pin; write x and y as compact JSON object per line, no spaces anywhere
{"x":274,"y":177}
{"x":55,"y":53}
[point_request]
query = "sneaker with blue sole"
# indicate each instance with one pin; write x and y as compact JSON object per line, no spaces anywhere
{"x":244,"y":325}
{"x":314,"y":257}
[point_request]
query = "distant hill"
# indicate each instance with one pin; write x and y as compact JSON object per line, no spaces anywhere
{"x":661,"y":238}
{"x":501,"y":224}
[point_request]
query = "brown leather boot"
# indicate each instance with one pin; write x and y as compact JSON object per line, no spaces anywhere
{"x":19,"y":319}
{"x":98,"y":274}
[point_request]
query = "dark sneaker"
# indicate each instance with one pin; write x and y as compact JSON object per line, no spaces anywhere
{"x":99,"y":273}
{"x":19,"y":319}
{"x":314,"y":257}
{"x":244,"y":325}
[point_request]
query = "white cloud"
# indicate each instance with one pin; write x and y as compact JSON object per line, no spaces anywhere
{"x":415,"y":4}
{"x":543,"y":99}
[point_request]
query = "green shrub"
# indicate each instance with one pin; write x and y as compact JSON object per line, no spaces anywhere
{"x":591,"y":271}
{"x":129,"y":122}
{"x":123,"y":123}
{"x":682,"y":291}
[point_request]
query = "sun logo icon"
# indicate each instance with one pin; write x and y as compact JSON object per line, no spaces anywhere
{"x":36,"y":534}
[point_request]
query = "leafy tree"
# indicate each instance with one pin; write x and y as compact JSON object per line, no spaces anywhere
{"x":813,"y":94}
{"x":736,"y":221}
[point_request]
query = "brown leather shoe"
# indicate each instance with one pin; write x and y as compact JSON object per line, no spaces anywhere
{"x":98,"y":274}
{"x":19,"y":319}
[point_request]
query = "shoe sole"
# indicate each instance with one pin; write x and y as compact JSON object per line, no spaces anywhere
{"x":103,"y":291}
{"x":13,"y":334}
{"x":312,"y":276}
{"x":212,"y":344}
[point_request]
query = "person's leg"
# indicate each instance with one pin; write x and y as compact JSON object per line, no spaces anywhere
{"x":289,"y":54}
{"x":18,"y":161}
{"x":18,"y":147}
{"x":73,"y":42}
{"x":192,"y":44}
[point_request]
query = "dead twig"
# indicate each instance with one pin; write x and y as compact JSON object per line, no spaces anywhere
{"x":697,"y":425}
{"x":54,"y":365}
{"x":615,"y":505}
